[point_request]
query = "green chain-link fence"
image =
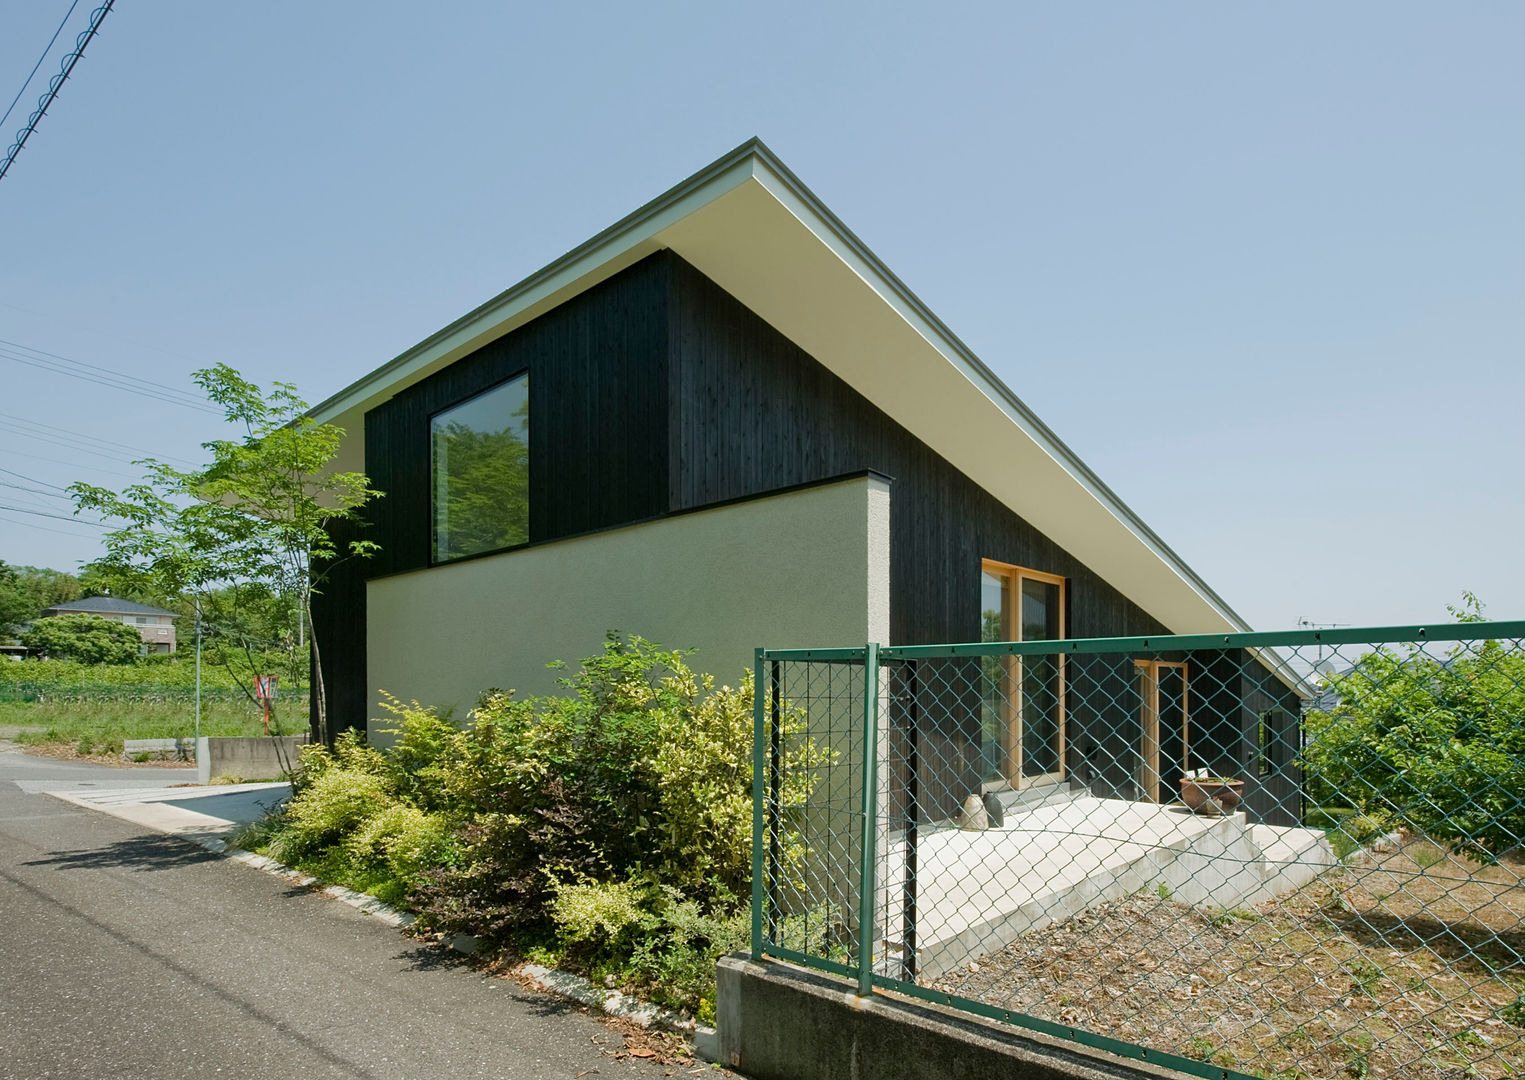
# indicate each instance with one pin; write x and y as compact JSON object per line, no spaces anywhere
{"x":1287,"y":855}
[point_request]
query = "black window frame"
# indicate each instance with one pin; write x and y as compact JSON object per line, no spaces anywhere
{"x":498,"y":384}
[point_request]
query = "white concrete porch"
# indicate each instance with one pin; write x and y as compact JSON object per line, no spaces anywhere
{"x":979,"y":891}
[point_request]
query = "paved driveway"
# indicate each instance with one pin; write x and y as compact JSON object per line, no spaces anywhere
{"x":130,"y":954}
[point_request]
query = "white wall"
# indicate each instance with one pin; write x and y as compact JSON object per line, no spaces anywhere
{"x":804,"y":569}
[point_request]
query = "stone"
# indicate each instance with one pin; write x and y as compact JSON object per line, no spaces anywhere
{"x":973,"y":816}
{"x":994,"y":810}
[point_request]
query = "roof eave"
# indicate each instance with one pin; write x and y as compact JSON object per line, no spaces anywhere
{"x":628,"y":239}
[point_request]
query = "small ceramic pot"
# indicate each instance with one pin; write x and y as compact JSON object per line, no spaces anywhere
{"x":1211,"y":795}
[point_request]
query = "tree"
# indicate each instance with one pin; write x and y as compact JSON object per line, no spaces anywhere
{"x":1430,"y":740}
{"x":258,"y":516}
{"x":15,"y":605}
{"x":89,"y":639}
{"x":26,"y":591}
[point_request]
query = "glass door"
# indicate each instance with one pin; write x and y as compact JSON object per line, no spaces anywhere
{"x":1022,"y":698}
{"x":1162,"y":687}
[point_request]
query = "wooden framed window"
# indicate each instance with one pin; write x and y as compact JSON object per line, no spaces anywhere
{"x":1022,"y":708}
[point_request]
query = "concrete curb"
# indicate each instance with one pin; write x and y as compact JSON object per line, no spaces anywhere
{"x":551,"y":980}
{"x":208,"y":833}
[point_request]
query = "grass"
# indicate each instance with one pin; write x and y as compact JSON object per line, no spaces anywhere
{"x":1398,"y":966}
{"x":100,"y":727}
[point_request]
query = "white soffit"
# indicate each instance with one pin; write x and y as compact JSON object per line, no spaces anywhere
{"x":750,"y":226}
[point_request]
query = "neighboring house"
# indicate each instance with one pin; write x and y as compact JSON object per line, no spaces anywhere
{"x":155,"y":625}
{"x":724,"y":423}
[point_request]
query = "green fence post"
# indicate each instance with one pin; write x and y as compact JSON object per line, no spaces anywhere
{"x":870,"y":803}
{"x":757,"y":807}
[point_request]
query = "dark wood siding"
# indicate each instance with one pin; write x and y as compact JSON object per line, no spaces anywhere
{"x":598,"y":446}
{"x":338,"y":633}
{"x":597,"y":416}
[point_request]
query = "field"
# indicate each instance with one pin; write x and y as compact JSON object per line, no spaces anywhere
{"x":87,"y":711}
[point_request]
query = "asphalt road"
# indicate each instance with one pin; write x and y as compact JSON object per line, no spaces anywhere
{"x":128,"y":954}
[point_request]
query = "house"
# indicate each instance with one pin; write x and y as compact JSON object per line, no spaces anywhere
{"x":155,"y":625}
{"x":723,"y":423}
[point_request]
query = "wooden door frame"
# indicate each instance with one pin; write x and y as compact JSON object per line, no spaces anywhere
{"x":1011,"y":676}
{"x":1149,"y":749}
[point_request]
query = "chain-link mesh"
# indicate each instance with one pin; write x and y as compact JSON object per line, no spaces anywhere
{"x":1291,"y":855}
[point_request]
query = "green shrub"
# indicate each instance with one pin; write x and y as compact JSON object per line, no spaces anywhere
{"x":331,"y":805}
{"x":673,"y":962}
{"x":611,"y":824}
{"x":89,"y":639}
{"x":642,"y":772}
{"x":402,"y":839}
{"x":1435,"y":744}
{"x":595,"y":912}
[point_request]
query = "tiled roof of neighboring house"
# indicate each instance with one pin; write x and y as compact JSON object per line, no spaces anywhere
{"x":106,"y":605}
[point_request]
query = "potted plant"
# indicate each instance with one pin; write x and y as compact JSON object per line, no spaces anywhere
{"x":1204,"y":793}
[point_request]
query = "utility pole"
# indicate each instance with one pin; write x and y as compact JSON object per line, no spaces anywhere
{"x":198,"y":675}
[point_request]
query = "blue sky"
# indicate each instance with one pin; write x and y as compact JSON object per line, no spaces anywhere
{"x":1261,"y":267}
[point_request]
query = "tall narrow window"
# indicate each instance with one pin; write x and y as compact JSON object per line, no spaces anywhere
{"x":1022,"y":707}
{"x":480,"y":471}
{"x":1165,"y":723}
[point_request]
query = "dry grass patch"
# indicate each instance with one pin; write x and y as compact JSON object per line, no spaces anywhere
{"x":1407,"y":964}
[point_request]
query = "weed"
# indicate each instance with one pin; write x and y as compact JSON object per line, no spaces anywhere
{"x":1163,"y":891}
{"x":1469,"y":1040}
{"x":1364,"y":975}
{"x":1199,"y":1048}
{"x":1299,"y":1036}
{"x":1426,"y":856}
{"x":1514,"y":1012}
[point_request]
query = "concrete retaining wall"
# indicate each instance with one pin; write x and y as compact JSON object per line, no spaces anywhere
{"x":253,"y":758}
{"x":158,"y":749}
{"x":778,"y":1022}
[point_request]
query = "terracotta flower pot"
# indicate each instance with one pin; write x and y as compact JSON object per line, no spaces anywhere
{"x":1211,"y":794}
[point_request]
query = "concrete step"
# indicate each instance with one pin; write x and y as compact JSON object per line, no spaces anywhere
{"x":979,"y":891}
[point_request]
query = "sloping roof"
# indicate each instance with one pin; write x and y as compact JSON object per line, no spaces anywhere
{"x":751,"y":226}
{"x":107,"y":605}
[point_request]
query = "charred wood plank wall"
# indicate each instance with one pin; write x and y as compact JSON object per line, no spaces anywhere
{"x":598,"y":442}
{"x":657,"y":392}
{"x":338,"y":633}
{"x":597,"y":417}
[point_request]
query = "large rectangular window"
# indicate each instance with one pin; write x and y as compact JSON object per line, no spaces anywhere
{"x":480,"y":460}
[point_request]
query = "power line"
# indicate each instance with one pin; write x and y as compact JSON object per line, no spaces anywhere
{"x":60,"y":517}
{"x":82,"y":448}
{"x":70,"y":464}
{"x":36,"y":491}
{"x":40,"y":528}
{"x":102,"y":376}
{"x":31,"y":479}
{"x":55,"y":84}
{"x":37,"y":65}
{"x":81,"y":441}
{"x":193,"y":398}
